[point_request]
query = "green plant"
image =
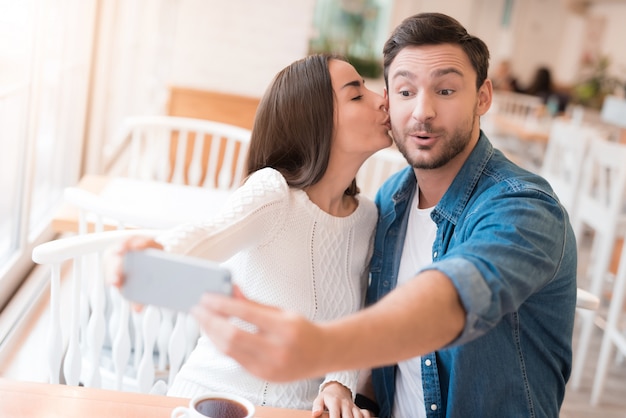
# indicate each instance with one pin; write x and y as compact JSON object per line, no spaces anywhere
{"x":595,"y":83}
{"x":349,"y":27}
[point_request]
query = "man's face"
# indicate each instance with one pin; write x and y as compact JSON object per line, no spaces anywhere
{"x":434,"y":105}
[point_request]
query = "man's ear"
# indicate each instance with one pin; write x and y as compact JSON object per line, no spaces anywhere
{"x":485,"y":95}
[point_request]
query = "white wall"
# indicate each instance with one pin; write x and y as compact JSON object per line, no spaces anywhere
{"x":237,"y":46}
{"x":614,"y":34}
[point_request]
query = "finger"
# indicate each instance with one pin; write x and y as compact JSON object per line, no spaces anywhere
{"x":113,"y":274}
{"x":237,"y":293}
{"x":334,"y":410}
{"x":365,"y":413}
{"x":357,"y":412}
{"x":318,"y":406}
{"x":135,"y":243}
{"x":138,"y":242}
{"x":347,"y":410}
{"x":227,"y":336}
{"x":263,"y":316}
{"x":137,"y":307}
{"x":249,"y":349}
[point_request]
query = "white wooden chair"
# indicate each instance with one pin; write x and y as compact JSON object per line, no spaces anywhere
{"x":513,"y":124}
{"x":186,"y":150}
{"x":564,"y":157}
{"x":377,"y":169}
{"x":614,"y":331}
{"x":161,"y":150}
{"x":524,"y":108}
{"x":98,"y":343}
{"x":97,"y":214}
{"x":600,"y":207}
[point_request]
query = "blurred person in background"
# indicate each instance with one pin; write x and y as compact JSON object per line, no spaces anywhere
{"x":503,"y":78}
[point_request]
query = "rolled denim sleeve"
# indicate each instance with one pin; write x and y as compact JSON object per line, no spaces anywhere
{"x":504,"y":255}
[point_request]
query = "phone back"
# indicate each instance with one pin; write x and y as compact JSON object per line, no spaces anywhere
{"x":154,"y":277}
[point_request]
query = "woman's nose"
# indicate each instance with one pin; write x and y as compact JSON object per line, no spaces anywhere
{"x":383,"y":103}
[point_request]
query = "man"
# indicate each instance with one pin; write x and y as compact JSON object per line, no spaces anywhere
{"x":472,"y":297}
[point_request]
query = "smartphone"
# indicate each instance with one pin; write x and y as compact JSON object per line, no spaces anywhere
{"x":172,"y":281}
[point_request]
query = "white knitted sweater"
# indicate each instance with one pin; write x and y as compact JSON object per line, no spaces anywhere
{"x":284,"y":251}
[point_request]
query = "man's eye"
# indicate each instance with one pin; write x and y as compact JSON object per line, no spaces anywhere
{"x":446,"y":92}
{"x":359,"y":97}
{"x":404,"y":93}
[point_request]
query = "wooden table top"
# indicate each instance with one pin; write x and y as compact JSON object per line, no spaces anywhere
{"x":29,"y":399}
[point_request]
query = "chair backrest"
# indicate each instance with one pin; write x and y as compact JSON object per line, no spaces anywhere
{"x":94,"y":337}
{"x":601,"y":197}
{"x":563,"y":159}
{"x":377,"y":169}
{"x":233,"y":109}
{"x":601,"y":205}
{"x":517,"y":106}
{"x":187,"y":151}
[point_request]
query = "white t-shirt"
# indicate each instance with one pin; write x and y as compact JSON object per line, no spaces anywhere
{"x":416,"y":253}
{"x":284,"y":251}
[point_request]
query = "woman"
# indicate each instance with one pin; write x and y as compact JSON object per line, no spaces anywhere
{"x":296,"y":234}
{"x":543,"y":86}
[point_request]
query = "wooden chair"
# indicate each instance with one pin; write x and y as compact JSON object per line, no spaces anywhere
{"x":186,"y":151}
{"x":600,"y":209}
{"x":98,"y":343}
{"x":229,"y":108}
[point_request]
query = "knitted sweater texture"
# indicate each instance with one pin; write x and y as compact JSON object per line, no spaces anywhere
{"x":284,"y":251}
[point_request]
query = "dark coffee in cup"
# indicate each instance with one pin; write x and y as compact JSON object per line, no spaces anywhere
{"x":221,"y":408}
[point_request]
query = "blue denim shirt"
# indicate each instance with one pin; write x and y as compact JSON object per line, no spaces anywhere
{"x":507,"y":245}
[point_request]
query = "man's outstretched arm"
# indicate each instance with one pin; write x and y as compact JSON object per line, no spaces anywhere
{"x":416,"y":318}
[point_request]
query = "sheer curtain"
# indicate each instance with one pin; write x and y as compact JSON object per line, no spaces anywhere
{"x":45,"y":59}
{"x":70,"y":72}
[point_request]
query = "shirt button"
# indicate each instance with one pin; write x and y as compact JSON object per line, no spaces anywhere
{"x":433,"y":407}
{"x":386,"y":283}
{"x":435,"y":254}
{"x":427,"y":362}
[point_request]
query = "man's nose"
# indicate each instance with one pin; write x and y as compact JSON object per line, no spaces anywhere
{"x":424,"y":109}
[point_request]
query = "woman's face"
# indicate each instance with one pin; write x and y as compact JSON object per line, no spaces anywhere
{"x":361,"y":118}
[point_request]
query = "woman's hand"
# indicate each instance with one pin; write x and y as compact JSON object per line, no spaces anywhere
{"x":115,"y":260}
{"x":337,"y":400}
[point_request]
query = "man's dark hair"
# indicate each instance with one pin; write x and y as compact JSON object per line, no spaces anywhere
{"x":435,"y":29}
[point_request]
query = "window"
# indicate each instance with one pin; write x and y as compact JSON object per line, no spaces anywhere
{"x":45,"y":59}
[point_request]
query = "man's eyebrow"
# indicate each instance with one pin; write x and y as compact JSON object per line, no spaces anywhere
{"x":354,"y":83}
{"x":405,"y":74}
{"x":445,"y":71}
{"x":435,"y":74}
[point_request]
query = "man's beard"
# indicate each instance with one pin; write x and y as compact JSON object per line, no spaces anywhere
{"x":456,"y":143}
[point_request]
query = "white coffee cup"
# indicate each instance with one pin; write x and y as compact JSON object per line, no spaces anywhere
{"x":215,"y":405}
